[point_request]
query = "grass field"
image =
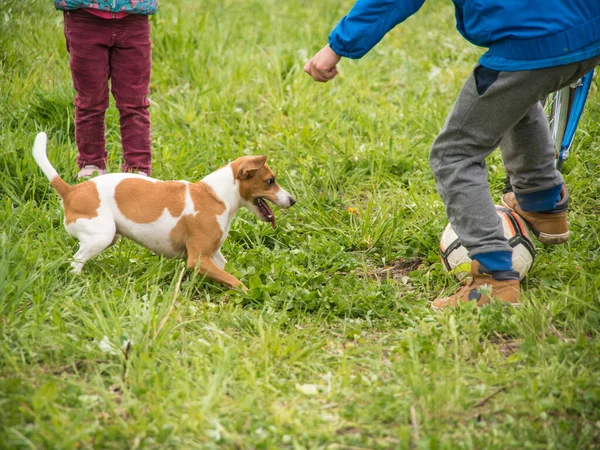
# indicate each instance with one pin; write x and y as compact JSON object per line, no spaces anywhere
{"x":334,"y":346}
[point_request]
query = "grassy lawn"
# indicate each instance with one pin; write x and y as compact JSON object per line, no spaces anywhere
{"x":334,"y":346}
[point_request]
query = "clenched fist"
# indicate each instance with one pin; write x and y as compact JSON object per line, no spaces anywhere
{"x":322,"y":66}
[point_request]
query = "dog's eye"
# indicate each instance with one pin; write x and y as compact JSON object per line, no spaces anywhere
{"x":271,"y":181}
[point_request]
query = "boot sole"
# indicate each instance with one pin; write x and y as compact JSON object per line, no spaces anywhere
{"x":553,"y":239}
{"x":544,"y":238}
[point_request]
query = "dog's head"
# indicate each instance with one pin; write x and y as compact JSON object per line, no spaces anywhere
{"x":257,"y":183}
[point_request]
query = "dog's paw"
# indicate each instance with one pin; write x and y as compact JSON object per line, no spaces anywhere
{"x":76,"y":267}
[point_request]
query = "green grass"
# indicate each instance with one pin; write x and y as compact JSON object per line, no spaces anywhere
{"x":327,"y":350}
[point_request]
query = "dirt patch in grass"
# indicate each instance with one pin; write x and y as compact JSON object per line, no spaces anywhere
{"x":396,"y":269}
{"x":506,"y":346}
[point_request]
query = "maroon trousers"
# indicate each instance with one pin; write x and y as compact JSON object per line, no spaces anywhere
{"x":118,"y":50}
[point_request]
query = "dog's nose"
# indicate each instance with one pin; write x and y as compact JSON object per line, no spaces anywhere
{"x":292,"y":201}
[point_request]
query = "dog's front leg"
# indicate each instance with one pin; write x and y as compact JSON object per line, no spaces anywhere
{"x":219,"y":259}
{"x":208,"y":268}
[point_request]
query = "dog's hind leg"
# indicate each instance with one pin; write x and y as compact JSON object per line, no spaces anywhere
{"x":92,"y":242}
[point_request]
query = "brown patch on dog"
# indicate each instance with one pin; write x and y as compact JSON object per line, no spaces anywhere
{"x":81,"y":202}
{"x":60,"y":186}
{"x":253,"y":174}
{"x":200,"y":233}
{"x":205,"y":199}
{"x":246,"y":166}
{"x":143,"y":201}
{"x":179,"y":234}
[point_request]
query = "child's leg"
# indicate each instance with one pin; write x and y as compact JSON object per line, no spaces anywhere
{"x":87,"y":42}
{"x":488,"y":107}
{"x":131,"y":63}
{"x":528,"y":152}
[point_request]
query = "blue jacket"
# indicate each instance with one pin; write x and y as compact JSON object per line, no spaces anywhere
{"x":520,"y":34}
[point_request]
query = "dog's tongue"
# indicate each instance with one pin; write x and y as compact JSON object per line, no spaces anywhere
{"x":266,"y":211}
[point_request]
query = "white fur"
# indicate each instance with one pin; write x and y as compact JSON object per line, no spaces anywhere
{"x":219,"y":259}
{"x":222,"y":182}
{"x":39,"y":154}
{"x":284,"y":198}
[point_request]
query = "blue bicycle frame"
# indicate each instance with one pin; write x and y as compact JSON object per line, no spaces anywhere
{"x":579,"y":98}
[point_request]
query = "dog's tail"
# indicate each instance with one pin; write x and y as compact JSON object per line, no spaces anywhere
{"x":39,"y":154}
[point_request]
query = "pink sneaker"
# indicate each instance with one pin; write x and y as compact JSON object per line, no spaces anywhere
{"x":90,"y":171}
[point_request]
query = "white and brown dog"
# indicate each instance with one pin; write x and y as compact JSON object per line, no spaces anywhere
{"x":177,"y":219}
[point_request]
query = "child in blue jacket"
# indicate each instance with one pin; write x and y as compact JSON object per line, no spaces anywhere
{"x":534,"y":47}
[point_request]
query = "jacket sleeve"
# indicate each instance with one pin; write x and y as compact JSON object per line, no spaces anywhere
{"x":366,"y":24}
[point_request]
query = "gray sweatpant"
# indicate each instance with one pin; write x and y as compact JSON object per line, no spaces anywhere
{"x":508,"y":114}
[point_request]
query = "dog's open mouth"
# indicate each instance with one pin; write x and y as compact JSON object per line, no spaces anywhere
{"x":265,"y":211}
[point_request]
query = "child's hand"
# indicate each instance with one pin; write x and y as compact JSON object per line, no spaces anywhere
{"x":322,"y":66}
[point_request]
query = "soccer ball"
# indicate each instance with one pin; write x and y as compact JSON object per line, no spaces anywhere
{"x":455,"y":257}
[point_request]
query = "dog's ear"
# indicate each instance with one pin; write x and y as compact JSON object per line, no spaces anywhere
{"x":249,"y":165}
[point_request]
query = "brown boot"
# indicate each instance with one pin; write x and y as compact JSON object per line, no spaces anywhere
{"x":549,"y":227}
{"x":483,"y":286}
